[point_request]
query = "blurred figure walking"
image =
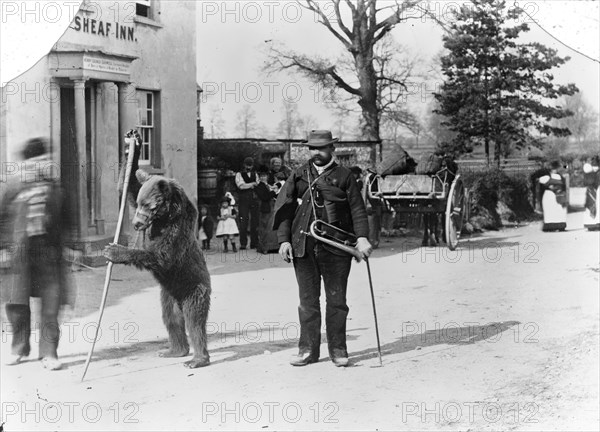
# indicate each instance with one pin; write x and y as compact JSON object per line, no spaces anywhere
{"x":33,"y":226}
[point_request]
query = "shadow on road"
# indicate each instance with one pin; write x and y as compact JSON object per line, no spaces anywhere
{"x":449,"y":335}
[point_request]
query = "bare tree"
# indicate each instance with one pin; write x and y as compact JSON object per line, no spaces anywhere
{"x":368,"y":80}
{"x":246,"y":122}
{"x":306,"y":124}
{"x":289,"y":126}
{"x":339,"y":129}
{"x":216,"y":124}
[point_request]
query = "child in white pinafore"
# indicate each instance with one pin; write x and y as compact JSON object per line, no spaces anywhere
{"x":227,"y":228}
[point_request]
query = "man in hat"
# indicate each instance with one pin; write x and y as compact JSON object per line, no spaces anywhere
{"x":320,"y":190}
{"x":246,"y":180}
{"x":33,"y":224}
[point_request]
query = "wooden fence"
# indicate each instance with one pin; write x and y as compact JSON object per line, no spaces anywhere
{"x":507,"y":165}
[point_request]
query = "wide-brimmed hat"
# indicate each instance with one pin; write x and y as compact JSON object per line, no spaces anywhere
{"x":320,"y":138}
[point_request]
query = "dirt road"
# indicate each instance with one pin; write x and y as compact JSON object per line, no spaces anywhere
{"x":501,"y":334}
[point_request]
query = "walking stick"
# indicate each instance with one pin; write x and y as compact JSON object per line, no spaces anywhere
{"x":374,"y":310}
{"x":132,"y":141}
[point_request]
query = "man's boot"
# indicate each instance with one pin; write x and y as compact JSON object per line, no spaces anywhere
{"x":19,"y":317}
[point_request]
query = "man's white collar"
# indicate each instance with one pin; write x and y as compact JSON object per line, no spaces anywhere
{"x":321,"y":169}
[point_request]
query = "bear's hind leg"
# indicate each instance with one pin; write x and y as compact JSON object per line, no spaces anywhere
{"x":195,"y":310}
{"x":173,"y":319}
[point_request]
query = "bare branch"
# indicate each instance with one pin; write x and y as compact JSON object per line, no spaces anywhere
{"x":338,"y":16}
{"x":351,"y":6}
{"x":341,"y":83}
{"x":313,"y":5}
{"x":316,"y":69}
{"x":401,"y":83}
{"x":434,"y":17}
{"x":386,"y":25}
{"x":372,"y":8}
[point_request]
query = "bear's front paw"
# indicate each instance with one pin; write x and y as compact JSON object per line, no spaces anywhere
{"x":116,"y":253}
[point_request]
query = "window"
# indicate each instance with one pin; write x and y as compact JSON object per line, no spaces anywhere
{"x":147,"y":118}
{"x":143,"y":8}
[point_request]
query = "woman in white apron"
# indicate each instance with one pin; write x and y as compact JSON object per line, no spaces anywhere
{"x":554,"y":200}
{"x":591,"y":179}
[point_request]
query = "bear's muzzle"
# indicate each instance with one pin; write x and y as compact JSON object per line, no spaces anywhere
{"x":141,"y":220}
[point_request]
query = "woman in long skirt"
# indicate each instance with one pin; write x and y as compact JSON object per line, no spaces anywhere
{"x":554,"y":199}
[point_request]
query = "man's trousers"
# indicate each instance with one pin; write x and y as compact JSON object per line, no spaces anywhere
{"x":319,"y":263}
{"x":249,"y":209}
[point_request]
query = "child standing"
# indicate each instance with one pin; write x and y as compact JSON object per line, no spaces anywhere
{"x":227,"y":227}
{"x":205,"y":228}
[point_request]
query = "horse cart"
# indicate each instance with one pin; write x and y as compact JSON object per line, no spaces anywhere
{"x":442,"y":193}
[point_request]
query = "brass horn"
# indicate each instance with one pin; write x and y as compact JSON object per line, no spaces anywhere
{"x":318,"y":232}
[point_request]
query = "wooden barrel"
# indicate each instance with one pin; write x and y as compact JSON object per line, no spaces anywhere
{"x":207,"y":183}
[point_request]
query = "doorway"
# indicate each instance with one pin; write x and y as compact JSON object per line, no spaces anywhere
{"x":72,"y":165}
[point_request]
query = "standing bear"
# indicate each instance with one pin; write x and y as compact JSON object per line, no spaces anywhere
{"x":172,"y":254}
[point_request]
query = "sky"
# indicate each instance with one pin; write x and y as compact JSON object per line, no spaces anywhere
{"x":28,"y":31}
{"x":233,"y":39}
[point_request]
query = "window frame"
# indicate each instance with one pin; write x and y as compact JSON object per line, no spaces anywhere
{"x":148,"y":5}
{"x":152,"y":126}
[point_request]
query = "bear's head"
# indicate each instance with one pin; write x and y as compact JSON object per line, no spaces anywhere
{"x":159,"y":199}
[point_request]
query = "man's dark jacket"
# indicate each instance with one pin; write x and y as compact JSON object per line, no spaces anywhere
{"x":293,"y":208}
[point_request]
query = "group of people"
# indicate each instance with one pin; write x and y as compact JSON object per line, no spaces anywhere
{"x":251,"y":213}
{"x":278,"y":206}
{"x":552,"y":194}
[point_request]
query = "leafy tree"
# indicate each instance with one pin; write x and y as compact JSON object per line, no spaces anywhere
{"x":498,"y":91}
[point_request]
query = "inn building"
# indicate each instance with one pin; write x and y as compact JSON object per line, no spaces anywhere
{"x":120,"y":65}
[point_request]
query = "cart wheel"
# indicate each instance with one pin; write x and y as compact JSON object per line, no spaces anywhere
{"x":455,"y":212}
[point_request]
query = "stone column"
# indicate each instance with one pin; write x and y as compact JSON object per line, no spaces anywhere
{"x":80,"y":139}
{"x":99,"y":159}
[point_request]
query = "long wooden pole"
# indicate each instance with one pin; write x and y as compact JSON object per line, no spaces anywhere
{"x":109,"y":267}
